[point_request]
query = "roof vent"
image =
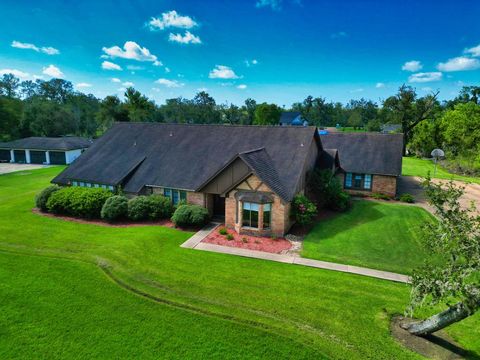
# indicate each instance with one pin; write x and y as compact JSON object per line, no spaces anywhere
{"x":171,"y":133}
{"x":301,"y":145}
{"x":134,"y":143}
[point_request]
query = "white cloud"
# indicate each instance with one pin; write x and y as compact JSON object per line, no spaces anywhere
{"x":249,"y":63}
{"x":132,"y":51}
{"x":222,"y":72}
{"x":128,"y":84}
{"x":427,"y":89}
{"x":167,"y":70}
{"x":107,"y":65}
{"x":171,"y":19}
{"x":339,"y":35}
{"x":135,"y":67}
{"x":83,"y":85}
{"x":379,"y":85}
{"x":116,"y":80}
{"x":273,"y":4}
{"x":169,"y":83}
{"x":188,"y":38}
{"x":473,"y":51}
{"x":18,"y":73}
{"x":44,"y":49}
{"x":53,"y":71}
{"x":413,"y":65}
{"x":357,"y":90}
{"x":460,"y":63}
{"x":202,"y":89}
{"x":242,"y":86}
{"x":425,"y":77}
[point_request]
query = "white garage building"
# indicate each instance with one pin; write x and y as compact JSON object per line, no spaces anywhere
{"x":43,"y":150}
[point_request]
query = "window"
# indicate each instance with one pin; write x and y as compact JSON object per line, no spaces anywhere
{"x":358,"y":181}
{"x":267,"y":214}
{"x":74,"y":183}
{"x":250,"y":215}
{"x":81,"y":183}
{"x":175,"y":195}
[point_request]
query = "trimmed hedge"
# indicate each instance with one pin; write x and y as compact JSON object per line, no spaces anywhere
{"x":138,"y":208}
{"x":151,"y":207}
{"x":78,"y":201}
{"x":42,"y":197}
{"x":115,"y":208}
{"x":190,"y":215}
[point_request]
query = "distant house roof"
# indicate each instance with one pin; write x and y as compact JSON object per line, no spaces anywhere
{"x":48,"y":143}
{"x":369,"y":153}
{"x":291,"y":118}
{"x":187,"y":156}
{"x":388,"y":128}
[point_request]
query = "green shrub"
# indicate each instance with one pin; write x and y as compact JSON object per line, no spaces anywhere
{"x":303,"y":210}
{"x":328,"y":190}
{"x":229,"y":237}
{"x":223,"y":231}
{"x":190,"y":215}
{"x":115,"y":208}
{"x":380,"y":196}
{"x":42,"y":197}
{"x":139,"y":208}
{"x":78,"y":201}
{"x":160,"y":207}
{"x":408,"y":198}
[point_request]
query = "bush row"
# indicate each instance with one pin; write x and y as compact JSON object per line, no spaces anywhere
{"x":100,"y":203}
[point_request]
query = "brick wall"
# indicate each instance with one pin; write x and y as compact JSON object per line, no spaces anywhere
{"x":382,"y":184}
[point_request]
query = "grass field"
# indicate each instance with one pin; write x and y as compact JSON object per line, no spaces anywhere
{"x":59,"y":302}
{"x":421,"y":167}
{"x":371,"y":234}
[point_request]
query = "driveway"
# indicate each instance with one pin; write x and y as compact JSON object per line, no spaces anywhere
{"x":412,"y":185}
{"x":6,"y":168}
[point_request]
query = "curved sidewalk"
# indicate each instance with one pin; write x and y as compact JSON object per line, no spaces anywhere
{"x":195,"y":242}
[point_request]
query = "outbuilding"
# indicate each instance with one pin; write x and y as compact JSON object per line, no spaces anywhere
{"x":44,"y":150}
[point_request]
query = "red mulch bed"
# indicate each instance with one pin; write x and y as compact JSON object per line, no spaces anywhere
{"x":258,"y":243}
{"x":120,"y":224}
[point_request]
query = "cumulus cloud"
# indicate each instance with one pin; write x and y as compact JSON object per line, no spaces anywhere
{"x":44,"y":49}
{"x":242,"y":86}
{"x":132,"y":51}
{"x":425,"y":77}
{"x":412,"y":66}
{"x":171,"y":19}
{"x":273,"y":4}
{"x":52,"y":71}
{"x":116,"y":80}
{"x":473,"y":51}
{"x":460,"y":63}
{"x":107,"y":65}
{"x":128,"y":84}
{"x":188,"y":38}
{"x":18,"y":73}
{"x":169,"y":83}
{"x":222,"y":72}
{"x":83,"y":85}
{"x":379,"y":85}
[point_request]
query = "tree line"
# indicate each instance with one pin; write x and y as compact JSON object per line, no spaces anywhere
{"x":54,"y":108}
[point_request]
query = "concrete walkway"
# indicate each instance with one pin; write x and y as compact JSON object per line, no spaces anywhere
{"x":195,"y":242}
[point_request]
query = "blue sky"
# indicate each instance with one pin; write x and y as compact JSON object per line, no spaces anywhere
{"x":271,"y":50}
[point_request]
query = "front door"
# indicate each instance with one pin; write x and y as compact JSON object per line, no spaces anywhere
{"x":218,"y":205}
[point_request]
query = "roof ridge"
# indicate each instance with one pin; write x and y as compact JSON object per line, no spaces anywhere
{"x":214,"y":125}
{"x":253,"y":150}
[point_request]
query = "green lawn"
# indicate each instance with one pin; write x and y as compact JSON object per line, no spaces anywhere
{"x":421,"y":167}
{"x":59,"y":303}
{"x":372,"y":234}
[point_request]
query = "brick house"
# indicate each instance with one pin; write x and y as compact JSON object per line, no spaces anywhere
{"x":247,"y":175}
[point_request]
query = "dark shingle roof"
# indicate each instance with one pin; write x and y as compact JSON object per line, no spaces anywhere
{"x":288,"y":116}
{"x":186,"y":156}
{"x":48,"y":143}
{"x":369,"y":153}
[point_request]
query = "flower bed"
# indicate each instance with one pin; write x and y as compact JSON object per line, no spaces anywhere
{"x":258,"y":243}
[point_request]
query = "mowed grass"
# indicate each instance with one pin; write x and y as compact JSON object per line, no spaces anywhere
{"x":412,"y":166}
{"x":338,"y":315}
{"x":56,"y":308}
{"x":371,"y":234}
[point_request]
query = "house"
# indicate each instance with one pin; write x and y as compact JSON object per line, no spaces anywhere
{"x":43,"y":150}
{"x":247,"y":174}
{"x":364,"y":162}
{"x":293,"y":118}
{"x":391,"y":128}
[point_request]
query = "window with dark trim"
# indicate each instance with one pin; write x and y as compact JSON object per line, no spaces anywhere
{"x":250,"y":214}
{"x":358,"y":181}
{"x":175,"y":195}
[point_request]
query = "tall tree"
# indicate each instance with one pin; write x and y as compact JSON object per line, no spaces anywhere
{"x":454,"y":272}
{"x":250,"y":106}
{"x":111,"y":110}
{"x":267,"y":114}
{"x":139,"y":107}
{"x":204,"y":109}
{"x":409,"y":110}
{"x":11,"y":110}
{"x":55,"y":89}
{"x":9,"y":84}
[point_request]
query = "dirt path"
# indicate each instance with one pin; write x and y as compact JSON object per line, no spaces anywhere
{"x":412,"y":185}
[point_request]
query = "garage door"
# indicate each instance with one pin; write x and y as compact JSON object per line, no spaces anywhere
{"x":20,"y":156}
{"x":4,"y":155}
{"x":57,"y":157}
{"x":38,"y":157}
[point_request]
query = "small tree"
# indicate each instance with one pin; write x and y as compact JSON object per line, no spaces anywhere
{"x":303,"y":210}
{"x":453,"y":276}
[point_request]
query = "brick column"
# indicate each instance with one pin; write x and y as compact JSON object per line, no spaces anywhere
{"x":47,"y":157}
{"x":260,"y":216}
